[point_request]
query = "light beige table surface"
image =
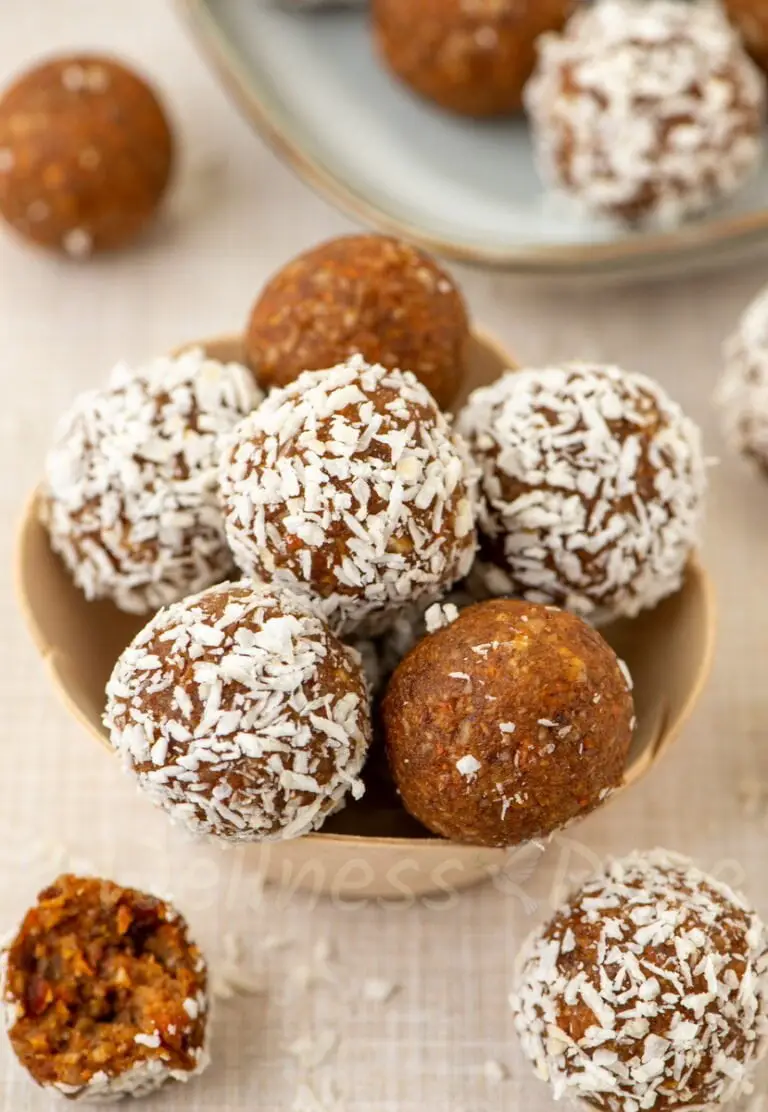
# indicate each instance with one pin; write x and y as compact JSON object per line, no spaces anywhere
{"x":236,"y":215}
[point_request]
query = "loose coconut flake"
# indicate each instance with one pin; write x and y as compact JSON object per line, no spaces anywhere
{"x":241,"y":714}
{"x":593,"y":483}
{"x":131,"y":492}
{"x":649,"y":986}
{"x":378,"y":991}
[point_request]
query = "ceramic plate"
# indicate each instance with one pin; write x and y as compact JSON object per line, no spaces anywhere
{"x":310,"y":82}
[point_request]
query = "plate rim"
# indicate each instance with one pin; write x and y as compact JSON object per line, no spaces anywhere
{"x":654,"y":249}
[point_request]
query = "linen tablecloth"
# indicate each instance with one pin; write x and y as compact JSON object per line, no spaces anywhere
{"x":365,"y":1008}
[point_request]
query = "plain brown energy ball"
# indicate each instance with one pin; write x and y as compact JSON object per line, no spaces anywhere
{"x":105,"y":994}
{"x":469,"y":56}
{"x":751,"y":18}
{"x":86,"y":152}
{"x":507,"y":723}
{"x":366,"y":295}
{"x":648,"y":989}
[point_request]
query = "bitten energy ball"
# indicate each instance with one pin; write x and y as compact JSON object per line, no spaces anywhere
{"x":507,"y":724}
{"x":647,"y":990}
{"x":130,"y":498}
{"x":104,"y":992}
{"x":369,"y":295}
{"x":647,"y":111}
{"x":241,"y":714}
{"x":350,"y":484}
{"x":85,"y":154}
{"x":469,"y":56}
{"x":593,"y":482}
{"x":743,"y":390}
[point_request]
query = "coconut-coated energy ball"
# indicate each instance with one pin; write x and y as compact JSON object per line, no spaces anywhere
{"x":593,"y":484}
{"x":742,"y":393}
{"x":130,"y":498}
{"x":86,"y":153}
{"x":469,"y":56}
{"x":105,"y":994}
{"x":241,"y":714}
{"x":647,"y":111}
{"x":507,"y":723}
{"x":646,"y":990}
{"x":363,"y":294}
{"x":350,"y":484}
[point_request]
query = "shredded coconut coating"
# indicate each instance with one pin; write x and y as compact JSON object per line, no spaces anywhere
{"x":647,"y":990}
{"x":647,"y":111}
{"x":743,"y":389}
{"x":593,"y":483}
{"x":349,"y":484}
{"x":131,"y":492}
{"x":241,"y":714}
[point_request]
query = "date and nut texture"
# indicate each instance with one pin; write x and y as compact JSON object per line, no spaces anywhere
{"x":647,"y":111}
{"x":472,"y":57}
{"x":751,"y":18}
{"x":362,"y":294}
{"x":350,"y":484}
{"x":241,"y":714}
{"x":507,"y":723}
{"x":130,"y":498}
{"x":86,"y":153}
{"x":104,"y":992}
{"x":593,"y":485}
{"x":742,"y":393}
{"x":646,"y":990}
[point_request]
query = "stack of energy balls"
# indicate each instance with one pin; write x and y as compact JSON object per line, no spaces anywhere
{"x":467,"y":565}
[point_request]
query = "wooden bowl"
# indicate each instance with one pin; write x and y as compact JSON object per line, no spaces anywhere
{"x":372,"y":848}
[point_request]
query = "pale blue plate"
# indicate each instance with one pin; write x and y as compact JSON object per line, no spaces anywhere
{"x":311,"y":84}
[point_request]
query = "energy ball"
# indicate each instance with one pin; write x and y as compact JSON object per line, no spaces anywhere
{"x":743,"y":390}
{"x":751,"y":18}
{"x":130,"y":498}
{"x":469,"y":56}
{"x":593,"y":482}
{"x":104,"y":992}
{"x":349,"y":484}
{"x":647,"y":990}
{"x":365,"y":294}
{"x":241,"y":714}
{"x":507,"y":724}
{"x":86,"y":152}
{"x":647,"y":111}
